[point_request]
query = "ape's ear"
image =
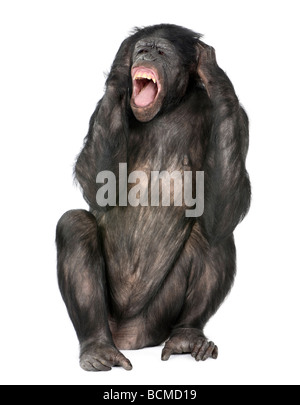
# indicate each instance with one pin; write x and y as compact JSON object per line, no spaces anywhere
{"x":120,"y":71}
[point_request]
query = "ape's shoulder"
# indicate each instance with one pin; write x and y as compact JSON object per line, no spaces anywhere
{"x":196,"y":101}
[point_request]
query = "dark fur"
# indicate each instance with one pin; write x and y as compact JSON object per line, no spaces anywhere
{"x":135,"y":276}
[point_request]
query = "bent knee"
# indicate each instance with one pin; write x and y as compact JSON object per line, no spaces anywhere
{"x":75,"y":223}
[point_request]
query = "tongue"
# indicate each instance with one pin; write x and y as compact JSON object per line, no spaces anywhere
{"x":147,"y":95}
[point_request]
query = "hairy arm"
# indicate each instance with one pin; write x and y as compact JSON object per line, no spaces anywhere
{"x":227,"y":186}
{"x":106,"y":142}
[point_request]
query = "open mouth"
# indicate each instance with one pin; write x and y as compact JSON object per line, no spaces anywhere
{"x":145,"y":86}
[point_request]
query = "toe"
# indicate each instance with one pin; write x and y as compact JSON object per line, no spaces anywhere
{"x":86,"y":365}
{"x":89,"y":363}
{"x":100,"y":365}
{"x":215,"y":353}
{"x":202,"y":350}
{"x":209,"y":351}
{"x":166,"y":353}
{"x":196,"y":348}
{"x":122,"y":361}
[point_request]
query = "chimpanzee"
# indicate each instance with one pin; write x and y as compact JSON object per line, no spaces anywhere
{"x":138,"y":275}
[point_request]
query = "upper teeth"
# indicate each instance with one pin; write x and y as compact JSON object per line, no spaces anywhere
{"x":141,"y":75}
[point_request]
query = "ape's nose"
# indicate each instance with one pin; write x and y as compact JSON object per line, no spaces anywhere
{"x":149,"y":57}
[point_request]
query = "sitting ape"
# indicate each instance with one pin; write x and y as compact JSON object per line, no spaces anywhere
{"x":136,"y":276}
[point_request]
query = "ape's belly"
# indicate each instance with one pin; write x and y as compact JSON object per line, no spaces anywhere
{"x":141,"y":247}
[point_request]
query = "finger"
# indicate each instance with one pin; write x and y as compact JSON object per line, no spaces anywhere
{"x":209,"y":351}
{"x":202,"y":350}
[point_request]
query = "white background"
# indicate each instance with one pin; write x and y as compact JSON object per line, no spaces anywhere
{"x":53,"y":55}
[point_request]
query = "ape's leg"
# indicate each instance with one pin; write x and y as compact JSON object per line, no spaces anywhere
{"x":82,"y":284}
{"x":212,"y":271}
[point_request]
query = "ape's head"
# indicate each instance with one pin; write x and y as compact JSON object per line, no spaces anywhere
{"x":164,"y":58}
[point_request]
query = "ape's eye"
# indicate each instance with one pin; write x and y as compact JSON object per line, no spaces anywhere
{"x":161,"y":52}
{"x":142,"y":51}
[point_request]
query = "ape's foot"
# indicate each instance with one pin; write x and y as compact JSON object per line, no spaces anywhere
{"x":97,"y":356}
{"x":189,"y":341}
